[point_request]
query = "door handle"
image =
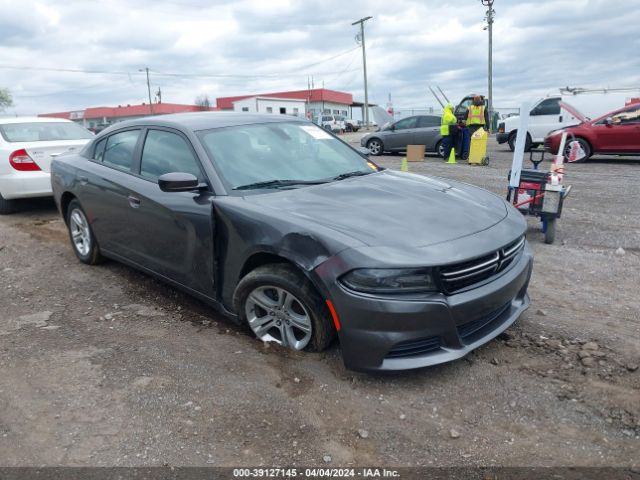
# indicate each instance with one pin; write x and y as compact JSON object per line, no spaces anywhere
{"x":83,"y":180}
{"x":133,"y":201}
{"x":560,"y":119}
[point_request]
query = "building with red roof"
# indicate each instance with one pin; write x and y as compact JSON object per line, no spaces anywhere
{"x":314,"y":101}
{"x":98,"y":117}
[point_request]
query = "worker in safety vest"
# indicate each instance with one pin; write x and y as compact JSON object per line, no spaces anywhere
{"x":448,"y":129}
{"x":477,"y":116}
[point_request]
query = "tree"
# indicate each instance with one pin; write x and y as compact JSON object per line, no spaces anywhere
{"x":203,"y":102}
{"x":5,"y":99}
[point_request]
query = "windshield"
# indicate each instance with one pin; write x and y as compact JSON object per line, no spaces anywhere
{"x":43,"y":131}
{"x":251,"y":154}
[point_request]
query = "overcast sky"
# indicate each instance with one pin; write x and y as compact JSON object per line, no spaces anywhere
{"x":223,"y":48}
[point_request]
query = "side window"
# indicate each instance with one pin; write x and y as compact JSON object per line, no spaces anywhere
{"x":428,"y":121}
{"x":98,"y":152}
{"x":550,"y":106}
{"x":166,"y":152}
{"x":406,"y":123}
{"x":119,"y":149}
{"x":630,"y":115}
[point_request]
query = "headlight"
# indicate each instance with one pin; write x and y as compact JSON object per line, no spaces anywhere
{"x":390,"y":280}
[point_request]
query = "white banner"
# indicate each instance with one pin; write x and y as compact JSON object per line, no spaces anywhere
{"x":518,"y":152}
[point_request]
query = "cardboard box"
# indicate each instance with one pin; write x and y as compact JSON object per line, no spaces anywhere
{"x":415,"y":153}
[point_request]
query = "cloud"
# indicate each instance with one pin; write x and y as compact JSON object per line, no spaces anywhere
{"x":253,"y":46}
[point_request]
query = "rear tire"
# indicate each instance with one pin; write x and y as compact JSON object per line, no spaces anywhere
{"x":306,"y":304}
{"x":440,"y":149}
{"x":7,"y":206}
{"x":83,"y":241}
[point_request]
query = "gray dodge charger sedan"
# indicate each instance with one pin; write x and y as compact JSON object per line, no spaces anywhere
{"x":287,"y":230}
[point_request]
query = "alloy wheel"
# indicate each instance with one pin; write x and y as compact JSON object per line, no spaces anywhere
{"x":374,"y":147}
{"x":80,"y":234}
{"x":276,"y":315}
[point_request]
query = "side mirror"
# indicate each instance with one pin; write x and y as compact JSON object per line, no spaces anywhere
{"x":608,"y":121}
{"x":178,"y":182}
{"x":363,"y":151}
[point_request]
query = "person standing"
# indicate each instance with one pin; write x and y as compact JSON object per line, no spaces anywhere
{"x":448,"y":129}
{"x":477,"y":116}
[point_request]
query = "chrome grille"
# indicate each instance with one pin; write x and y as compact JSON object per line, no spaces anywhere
{"x":462,"y":275}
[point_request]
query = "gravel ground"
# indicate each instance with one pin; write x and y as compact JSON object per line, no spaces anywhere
{"x":104,"y":365}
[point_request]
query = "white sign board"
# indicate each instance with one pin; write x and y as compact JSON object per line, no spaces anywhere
{"x":518,"y":152}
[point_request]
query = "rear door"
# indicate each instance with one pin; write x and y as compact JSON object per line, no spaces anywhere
{"x":104,"y":190}
{"x":622,"y":135}
{"x":428,"y":132}
{"x":174,"y":236}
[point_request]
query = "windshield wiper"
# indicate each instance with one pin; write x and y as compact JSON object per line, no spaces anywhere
{"x":357,"y":173}
{"x":278,"y":183}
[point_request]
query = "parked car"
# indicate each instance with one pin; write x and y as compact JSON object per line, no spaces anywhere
{"x":333,"y":123}
{"x":615,"y":133}
{"x":27,"y":145}
{"x":416,"y":130}
{"x":351,"y":125}
{"x":292,"y":232}
{"x":546,"y":115}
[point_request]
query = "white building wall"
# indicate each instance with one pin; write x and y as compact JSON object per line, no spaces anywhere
{"x":270,"y":105}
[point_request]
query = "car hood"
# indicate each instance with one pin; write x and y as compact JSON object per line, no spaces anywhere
{"x":390,"y":208}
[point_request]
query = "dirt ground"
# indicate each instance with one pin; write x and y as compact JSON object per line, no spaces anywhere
{"x":106,"y":366}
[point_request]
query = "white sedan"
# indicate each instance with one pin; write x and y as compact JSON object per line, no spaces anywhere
{"x":27,"y":145}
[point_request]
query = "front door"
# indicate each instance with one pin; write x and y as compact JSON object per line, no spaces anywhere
{"x":622,"y":135}
{"x":545,"y":117}
{"x":402,"y":135}
{"x":175,"y":230}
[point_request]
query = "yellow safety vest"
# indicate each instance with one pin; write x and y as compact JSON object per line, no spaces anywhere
{"x":476,"y":115}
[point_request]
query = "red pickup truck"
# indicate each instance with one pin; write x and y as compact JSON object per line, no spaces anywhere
{"x":616,"y":133}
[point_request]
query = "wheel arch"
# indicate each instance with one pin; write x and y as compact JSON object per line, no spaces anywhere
{"x":65,"y":200}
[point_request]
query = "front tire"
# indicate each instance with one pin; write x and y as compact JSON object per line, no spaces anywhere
{"x":375,"y":147}
{"x":83,"y":241}
{"x":440,"y":149}
{"x":585,"y":146}
{"x":512,"y":142}
{"x":279,"y":304}
{"x":550,"y":231}
{"x":7,"y":206}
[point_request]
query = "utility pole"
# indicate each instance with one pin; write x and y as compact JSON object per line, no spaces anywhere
{"x":364,"y":66}
{"x":489,"y":19}
{"x":146,"y":69}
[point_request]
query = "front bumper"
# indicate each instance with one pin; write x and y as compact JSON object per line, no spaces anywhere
{"x":25,"y":185}
{"x":502,"y":138}
{"x":392,"y":334}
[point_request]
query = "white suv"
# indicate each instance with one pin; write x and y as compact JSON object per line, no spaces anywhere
{"x":335,"y":123}
{"x":27,"y":145}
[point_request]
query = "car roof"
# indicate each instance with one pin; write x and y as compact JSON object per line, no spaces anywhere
{"x":5,"y":120}
{"x":206,"y":120}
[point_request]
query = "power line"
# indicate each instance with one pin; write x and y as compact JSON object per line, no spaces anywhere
{"x":179,"y":75}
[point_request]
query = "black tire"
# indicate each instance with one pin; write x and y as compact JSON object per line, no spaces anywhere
{"x":375,"y":150}
{"x":512,"y":142}
{"x":348,"y":128}
{"x":92,"y":256}
{"x":550,"y":232}
{"x":7,"y":206}
{"x":287,"y":277}
{"x":328,"y":127}
{"x":585,"y":146}
{"x":440,"y":149}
